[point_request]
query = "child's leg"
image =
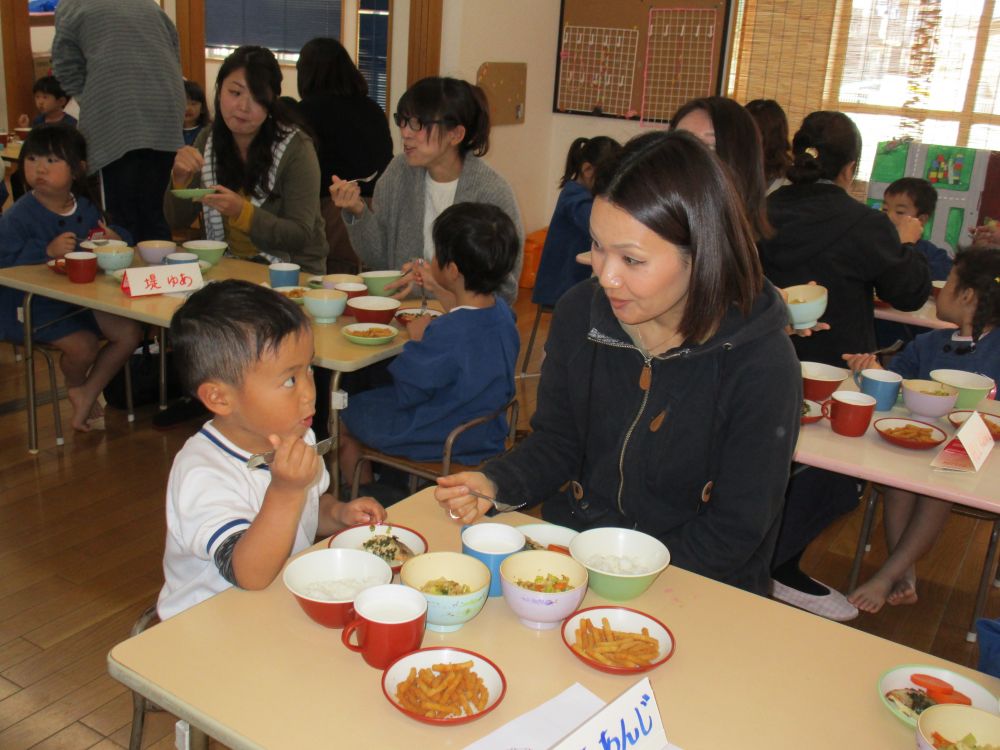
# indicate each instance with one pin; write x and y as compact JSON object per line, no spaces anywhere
{"x":912,"y":525}
{"x":123,"y":337}
{"x":349,"y":453}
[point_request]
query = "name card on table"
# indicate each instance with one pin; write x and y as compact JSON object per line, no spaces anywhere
{"x":632,"y":720}
{"x":968,"y":449}
{"x":179,"y":277}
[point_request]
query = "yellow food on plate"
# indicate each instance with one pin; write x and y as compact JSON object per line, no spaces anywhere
{"x":442,"y":691}
{"x":615,"y":648}
{"x":445,"y":587}
{"x":297,"y":293}
{"x":372,"y":333}
{"x":912,"y":432}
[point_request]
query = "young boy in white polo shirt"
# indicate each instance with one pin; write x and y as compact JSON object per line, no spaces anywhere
{"x":246,"y":353}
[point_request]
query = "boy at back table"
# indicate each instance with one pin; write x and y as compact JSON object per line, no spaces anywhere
{"x":246,"y":353}
{"x":457,"y":366}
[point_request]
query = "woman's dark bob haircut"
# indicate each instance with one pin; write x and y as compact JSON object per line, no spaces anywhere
{"x":324,"y":67}
{"x":673,"y":184}
{"x":448,"y":103}
{"x":827,"y":142}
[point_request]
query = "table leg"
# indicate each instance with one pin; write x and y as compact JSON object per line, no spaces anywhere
{"x":863,"y":537}
{"x":989,"y":566}
{"x":163,"y":369}
{"x":29,"y":375}
{"x":197,"y":739}
{"x":334,"y":425}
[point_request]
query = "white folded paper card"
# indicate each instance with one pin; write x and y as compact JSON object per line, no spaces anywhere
{"x":967,"y":451}
{"x":179,"y":277}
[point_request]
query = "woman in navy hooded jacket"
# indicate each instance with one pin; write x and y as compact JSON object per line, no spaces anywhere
{"x":670,"y":394}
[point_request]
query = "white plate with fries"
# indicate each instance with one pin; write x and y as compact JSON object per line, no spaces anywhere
{"x":443,"y":686}
{"x":909,"y":433}
{"x":618,"y":640}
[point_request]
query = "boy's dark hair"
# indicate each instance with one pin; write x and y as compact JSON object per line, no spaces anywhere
{"x":921,"y":192}
{"x":978,"y":269}
{"x":226,"y":327}
{"x":194,"y":92}
{"x":49,"y":85}
{"x":480,"y":239}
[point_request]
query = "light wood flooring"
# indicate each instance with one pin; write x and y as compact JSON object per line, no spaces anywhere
{"x":81,"y":539}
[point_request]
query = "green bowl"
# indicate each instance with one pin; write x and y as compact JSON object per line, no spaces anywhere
{"x":376,"y":281}
{"x":621,"y":563}
{"x":210,"y":251}
{"x":972,"y":387}
{"x":351,"y":334}
{"x":192,"y":193}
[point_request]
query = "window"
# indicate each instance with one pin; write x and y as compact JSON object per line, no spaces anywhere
{"x":928,"y":70}
{"x":280,"y":25}
{"x":373,"y":47}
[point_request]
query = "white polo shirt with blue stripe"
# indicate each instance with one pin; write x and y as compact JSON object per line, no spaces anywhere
{"x":211,"y":494}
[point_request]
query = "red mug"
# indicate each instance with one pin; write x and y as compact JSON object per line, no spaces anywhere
{"x":849,"y":412}
{"x":389,"y":620}
{"x":81,"y":267}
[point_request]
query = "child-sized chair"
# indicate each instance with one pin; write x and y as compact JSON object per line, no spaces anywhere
{"x":874,"y":492}
{"x":431,"y":470}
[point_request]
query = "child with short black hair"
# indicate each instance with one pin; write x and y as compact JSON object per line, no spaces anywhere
{"x":246,"y":353}
{"x":971,"y":300}
{"x":50,"y":101}
{"x":456,"y":366}
{"x":912,"y":196}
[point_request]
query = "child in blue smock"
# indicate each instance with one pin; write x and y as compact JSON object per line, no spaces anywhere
{"x":971,"y":300}
{"x":48,"y":222}
{"x":456,"y":366}
{"x":569,"y":230}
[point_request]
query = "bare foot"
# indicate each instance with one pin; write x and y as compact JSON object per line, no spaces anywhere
{"x":870,"y":595}
{"x":904,"y":591}
{"x":83,"y":409}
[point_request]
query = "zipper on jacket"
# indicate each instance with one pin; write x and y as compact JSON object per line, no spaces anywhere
{"x":645,"y":379}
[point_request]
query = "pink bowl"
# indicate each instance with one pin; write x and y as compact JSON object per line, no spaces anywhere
{"x":372,"y":309}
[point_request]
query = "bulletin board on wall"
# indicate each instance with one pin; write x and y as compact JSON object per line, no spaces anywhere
{"x":639,"y":59}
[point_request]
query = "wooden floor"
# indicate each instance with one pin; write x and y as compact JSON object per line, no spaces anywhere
{"x":81,"y":539}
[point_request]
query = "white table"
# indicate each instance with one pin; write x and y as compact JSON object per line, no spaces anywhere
{"x":925,"y":317}
{"x":253,"y":671}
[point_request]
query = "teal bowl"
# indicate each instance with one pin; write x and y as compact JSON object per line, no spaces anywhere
{"x":210,"y":251}
{"x":621,"y":563}
{"x":806,"y":304}
{"x":113,"y":260}
{"x":447,"y":613}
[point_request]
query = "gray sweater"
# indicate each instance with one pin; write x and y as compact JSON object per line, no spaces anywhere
{"x":121,"y":60}
{"x":392,"y":232}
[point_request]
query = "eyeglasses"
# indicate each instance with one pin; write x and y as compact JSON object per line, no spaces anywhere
{"x":414,"y":123}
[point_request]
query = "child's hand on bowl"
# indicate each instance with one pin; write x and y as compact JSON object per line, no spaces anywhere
{"x":62,"y":244}
{"x":358,"y":511}
{"x":416,"y":327}
{"x":859,"y":362}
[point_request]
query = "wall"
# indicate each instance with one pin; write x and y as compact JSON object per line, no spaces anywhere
{"x":531,"y":156}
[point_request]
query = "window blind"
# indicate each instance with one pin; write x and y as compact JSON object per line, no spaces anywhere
{"x":280,"y":25}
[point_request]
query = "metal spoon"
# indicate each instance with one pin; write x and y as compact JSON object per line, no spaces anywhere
{"x":369,"y":178}
{"x":891,"y":349}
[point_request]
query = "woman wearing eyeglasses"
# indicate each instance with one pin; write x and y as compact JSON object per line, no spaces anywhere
{"x":445,"y":127}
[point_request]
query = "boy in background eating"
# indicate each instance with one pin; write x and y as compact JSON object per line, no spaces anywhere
{"x":50,"y":101}
{"x":246,"y":353}
{"x":912,"y":196}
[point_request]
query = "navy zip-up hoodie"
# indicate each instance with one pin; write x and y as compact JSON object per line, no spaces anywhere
{"x":695,"y":452}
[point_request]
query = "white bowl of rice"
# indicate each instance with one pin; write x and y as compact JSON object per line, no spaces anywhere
{"x":326,"y":581}
{"x":622,"y":563}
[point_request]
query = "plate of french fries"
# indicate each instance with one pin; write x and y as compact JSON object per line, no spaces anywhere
{"x":617,"y":640}
{"x":909,"y":433}
{"x":444,"y":686}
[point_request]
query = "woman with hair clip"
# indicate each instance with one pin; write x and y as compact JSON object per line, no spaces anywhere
{"x":445,"y":127}
{"x":670,"y":395}
{"x":773,"y":126}
{"x":262,"y":167}
{"x":351,"y":130}
{"x":824,"y":234}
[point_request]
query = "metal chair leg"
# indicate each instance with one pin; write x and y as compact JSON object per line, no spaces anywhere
{"x":128,"y":392}
{"x":54,"y":390}
{"x":863,"y":537}
{"x":989,"y":566}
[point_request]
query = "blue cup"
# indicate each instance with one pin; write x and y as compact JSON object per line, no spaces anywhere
{"x":491,"y":544}
{"x":882,"y":385}
{"x":175,"y":259}
{"x":283,"y":274}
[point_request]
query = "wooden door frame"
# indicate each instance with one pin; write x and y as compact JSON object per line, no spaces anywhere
{"x":18,"y":63}
{"x":424,"y":53}
{"x":191,"y":32}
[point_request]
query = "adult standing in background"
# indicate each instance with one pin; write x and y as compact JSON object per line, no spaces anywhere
{"x":773,"y":125}
{"x":121,"y":60}
{"x":351,"y":131}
